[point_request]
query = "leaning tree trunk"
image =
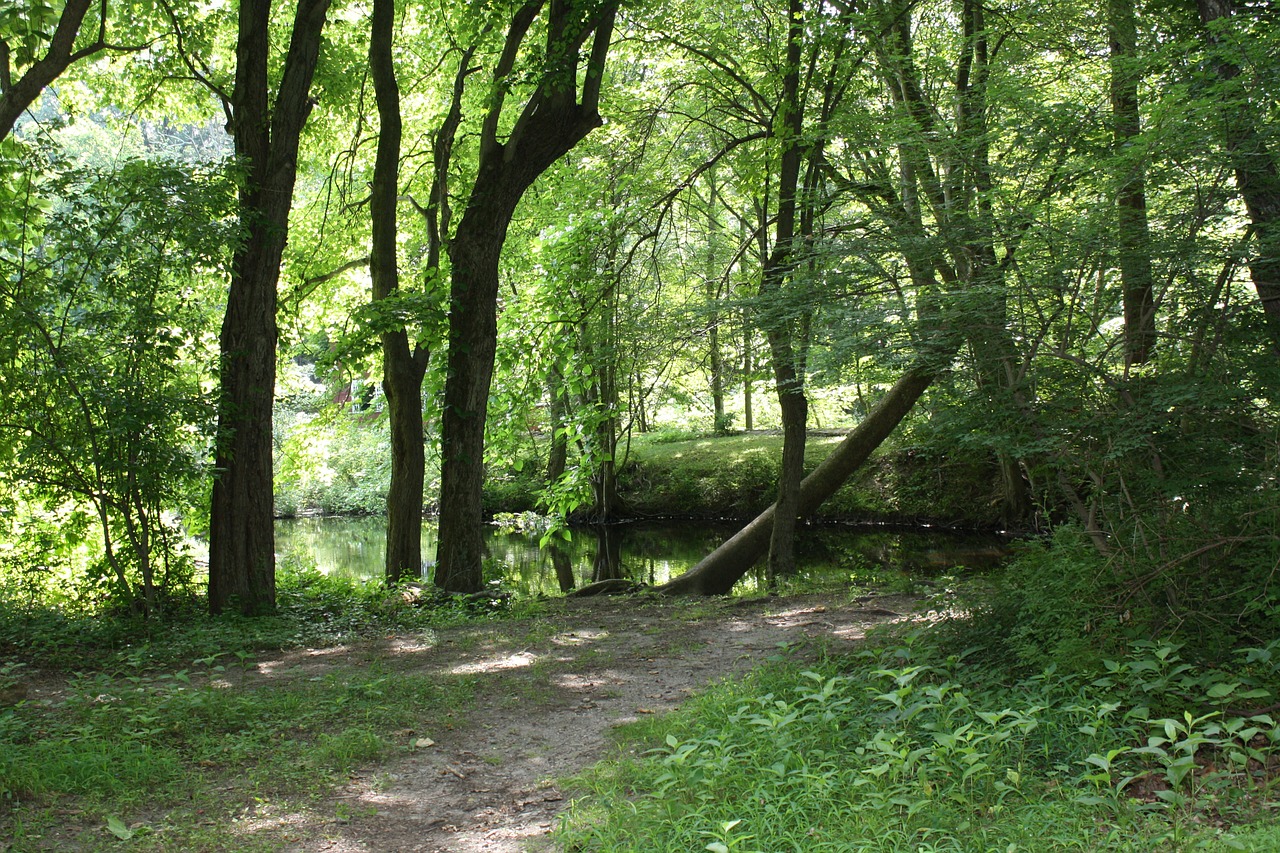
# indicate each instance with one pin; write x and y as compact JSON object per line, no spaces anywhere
{"x":720,"y":570}
{"x":551,"y":123}
{"x":241,"y":534}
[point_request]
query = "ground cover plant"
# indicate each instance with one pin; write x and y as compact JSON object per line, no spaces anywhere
{"x":178,"y":726}
{"x":906,"y":746}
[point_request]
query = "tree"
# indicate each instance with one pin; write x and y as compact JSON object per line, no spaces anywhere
{"x":266,"y":134}
{"x":42,"y":42}
{"x":1257,"y":177}
{"x":716,"y":573}
{"x":103,"y":313}
{"x":931,"y":187}
{"x":552,"y":121}
{"x":788,"y":367}
{"x":403,"y":368}
{"x":1133,"y":236}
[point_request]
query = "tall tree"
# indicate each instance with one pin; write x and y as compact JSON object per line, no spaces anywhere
{"x":1133,"y":236}
{"x":403,"y":367}
{"x":788,"y":369}
{"x":266,"y":134}
{"x":555,"y":117}
{"x":1257,"y":176}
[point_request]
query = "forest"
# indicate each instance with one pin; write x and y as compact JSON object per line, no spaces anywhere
{"x":955,"y":263}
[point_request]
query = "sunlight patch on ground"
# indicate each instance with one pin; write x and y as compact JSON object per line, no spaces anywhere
{"x":850,"y":632}
{"x":573,"y":681}
{"x":578,"y":638}
{"x":516,"y":661}
{"x":796,"y":618}
{"x":411,"y":645}
{"x":288,"y":827}
{"x":292,"y":662}
{"x":935,"y":616}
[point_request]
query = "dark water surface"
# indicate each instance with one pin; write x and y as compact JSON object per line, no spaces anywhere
{"x":649,"y":552}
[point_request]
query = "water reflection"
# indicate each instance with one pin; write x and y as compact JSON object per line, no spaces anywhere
{"x":647,"y":552}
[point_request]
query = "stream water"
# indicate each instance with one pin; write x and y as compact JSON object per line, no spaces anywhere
{"x":649,"y":552}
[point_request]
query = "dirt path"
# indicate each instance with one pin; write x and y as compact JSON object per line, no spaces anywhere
{"x":546,"y":702}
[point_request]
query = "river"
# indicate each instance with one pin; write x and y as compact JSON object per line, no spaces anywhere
{"x":649,"y":552}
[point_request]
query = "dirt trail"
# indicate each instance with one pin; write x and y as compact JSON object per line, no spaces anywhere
{"x":548,"y":694}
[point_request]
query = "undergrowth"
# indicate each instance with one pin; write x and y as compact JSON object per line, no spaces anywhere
{"x":907,"y":748}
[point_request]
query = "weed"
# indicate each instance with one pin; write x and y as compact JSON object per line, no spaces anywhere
{"x":900,"y":748}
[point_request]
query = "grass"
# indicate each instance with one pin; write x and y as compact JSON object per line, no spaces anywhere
{"x":736,"y":475}
{"x":900,"y":749}
{"x":683,"y":475}
{"x":162,"y":745}
{"x":171,"y":736}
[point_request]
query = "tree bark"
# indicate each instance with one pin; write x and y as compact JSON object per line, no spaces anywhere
{"x":1257,"y":179}
{"x":720,"y":570}
{"x":551,"y":123}
{"x":241,"y":534}
{"x":17,"y":96}
{"x":557,"y":410}
{"x":1133,"y":235}
{"x":715,"y":361}
{"x":402,"y":367}
{"x":788,"y":370}
{"x":748,"y":368}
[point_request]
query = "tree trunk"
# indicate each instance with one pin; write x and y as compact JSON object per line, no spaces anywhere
{"x":748,"y":409}
{"x":1133,"y":235}
{"x":551,"y":123}
{"x":15,"y":98}
{"x":1256,"y":176}
{"x":402,"y":375}
{"x":711,"y":276}
{"x":719,"y":571}
{"x":241,"y":534}
{"x":473,"y":329}
{"x":795,"y":417}
{"x":402,"y":369}
{"x":788,"y":369}
{"x":558,"y":454}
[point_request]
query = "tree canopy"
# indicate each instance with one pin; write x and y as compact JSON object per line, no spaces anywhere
{"x":517,"y":233}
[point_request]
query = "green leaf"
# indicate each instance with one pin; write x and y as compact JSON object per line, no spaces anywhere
{"x":1222,"y":689}
{"x":117,"y":828}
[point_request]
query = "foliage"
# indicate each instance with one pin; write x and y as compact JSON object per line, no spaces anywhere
{"x":106,"y":346}
{"x":331,"y":459}
{"x":901,"y":747}
{"x":1053,"y":604}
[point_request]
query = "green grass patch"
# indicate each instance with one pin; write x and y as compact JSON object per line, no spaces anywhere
{"x":736,"y":475}
{"x":171,"y":729}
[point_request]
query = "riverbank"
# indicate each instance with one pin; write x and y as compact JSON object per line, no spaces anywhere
{"x":735,"y":477}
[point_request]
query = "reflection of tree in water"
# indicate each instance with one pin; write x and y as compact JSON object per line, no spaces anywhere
{"x":608,"y":562}
{"x":909,"y":550}
{"x":654,"y":551}
{"x":563,"y":565}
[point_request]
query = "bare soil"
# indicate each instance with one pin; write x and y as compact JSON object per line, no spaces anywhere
{"x":549,"y":693}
